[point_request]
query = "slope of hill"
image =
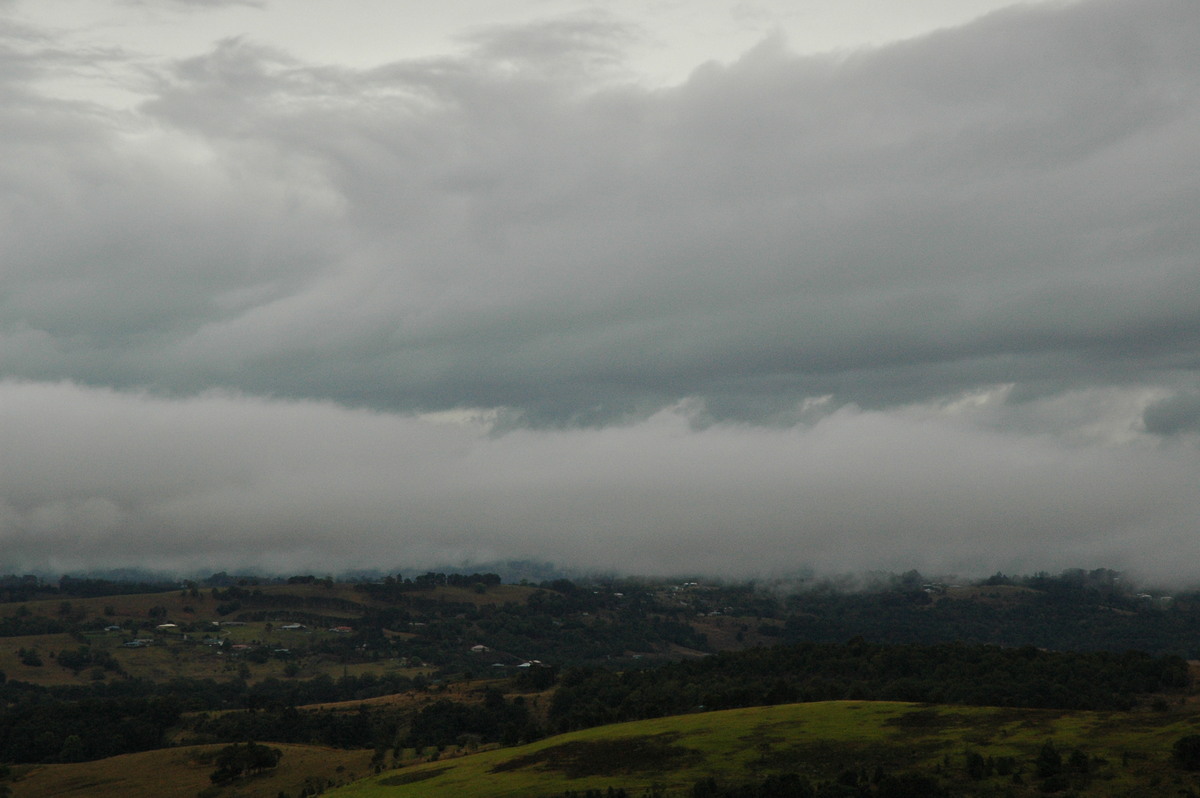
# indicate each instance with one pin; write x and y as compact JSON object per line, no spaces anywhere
{"x":969,"y":751}
{"x":184,"y":772}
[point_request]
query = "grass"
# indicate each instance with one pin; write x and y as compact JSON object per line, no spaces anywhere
{"x":1129,"y":752}
{"x":182,"y":607}
{"x":185,"y":772}
{"x":49,"y":672}
{"x":183,"y":656}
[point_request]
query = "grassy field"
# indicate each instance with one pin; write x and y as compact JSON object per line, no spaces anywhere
{"x":172,"y":657}
{"x":182,"y":606}
{"x":184,"y":772}
{"x":1128,"y":753}
{"x":180,"y":654}
{"x":48,"y":673}
{"x":1124,"y":754}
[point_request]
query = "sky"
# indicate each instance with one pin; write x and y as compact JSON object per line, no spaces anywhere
{"x":724,"y":288}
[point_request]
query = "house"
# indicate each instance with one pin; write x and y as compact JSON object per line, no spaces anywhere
{"x":479,"y":649}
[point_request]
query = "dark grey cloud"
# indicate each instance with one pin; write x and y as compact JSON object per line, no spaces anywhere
{"x":934,"y":304}
{"x":1173,"y":415}
{"x":1009,"y":201}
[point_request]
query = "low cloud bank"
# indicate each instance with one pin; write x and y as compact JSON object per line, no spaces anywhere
{"x":98,"y":478}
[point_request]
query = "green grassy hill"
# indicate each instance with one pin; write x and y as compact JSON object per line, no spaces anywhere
{"x":1102,"y":754}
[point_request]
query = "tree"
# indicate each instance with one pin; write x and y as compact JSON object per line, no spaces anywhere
{"x":1049,"y":761}
{"x":1186,"y":752}
{"x":977,"y":768}
{"x":238,"y":760}
{"x":72,"y":750}
{"x":910,"y":785}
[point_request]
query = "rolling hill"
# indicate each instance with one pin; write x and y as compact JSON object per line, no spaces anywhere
{"x":1100,"y":753}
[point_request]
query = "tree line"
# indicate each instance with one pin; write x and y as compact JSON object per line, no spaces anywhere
{"x":953,"y":673}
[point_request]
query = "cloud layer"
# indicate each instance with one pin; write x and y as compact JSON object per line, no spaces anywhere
{"x":723,"y":324}
{"x":96,"y":476}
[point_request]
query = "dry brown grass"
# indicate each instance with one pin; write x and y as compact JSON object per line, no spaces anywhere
{"x":180,"y":657}
{"x":123,"y":607}
{"x":182,"y":607}
{"x":496,"y":594}
{"x":722,"y":631}
{"x":49,"y":672}
{"x":185,"y":772}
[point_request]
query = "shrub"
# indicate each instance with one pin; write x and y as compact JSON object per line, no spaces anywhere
{"x":1186,"y":752}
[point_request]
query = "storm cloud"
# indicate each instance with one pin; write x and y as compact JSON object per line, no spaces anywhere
{"x":933,"y":303}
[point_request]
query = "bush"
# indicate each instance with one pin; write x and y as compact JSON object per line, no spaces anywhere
{"x":1186,"y":752}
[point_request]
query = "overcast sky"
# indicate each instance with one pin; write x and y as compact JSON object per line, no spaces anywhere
{"x":662,"y":287}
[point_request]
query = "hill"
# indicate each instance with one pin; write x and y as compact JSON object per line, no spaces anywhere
{"x":184,"y":772}
{"x":399,"y":669}
{"x":862,"y":746}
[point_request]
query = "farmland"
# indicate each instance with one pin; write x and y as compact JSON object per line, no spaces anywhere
{"x":417,"y":681}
